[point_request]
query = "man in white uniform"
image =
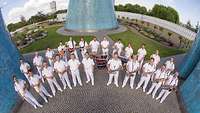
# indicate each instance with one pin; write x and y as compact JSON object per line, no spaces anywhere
{"x":88,"y":64}
{"x":83,"y":46}
{"x":141,"y":54}
{"x":48,"y":73}
{"x":71,"y":44}
{"x":25,"y":67}
{"x":74,"y":64}
{"x":49,"y":55}
{"x":131,"y":69}
{"x":114,"y":65}
{"x":128,"y":51}
{"x":61,"y":47}
{"x":157,"y":80}
{"x":170,"y":84}
{"x":60,"y":67}
{"x":21,"y":89}
{"x":94,"y":44}
{"x":119,"y":46}
{"x":147,"y":70}
{"x":105,"y":45}
{"x":156,"y":58}
{"x":170,"y":66}
{"x":35,"y":82}
{"x":38,"y":61}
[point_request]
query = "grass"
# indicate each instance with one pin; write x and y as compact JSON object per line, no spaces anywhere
{"x":151,"y":46}
{"x":51,"y":40}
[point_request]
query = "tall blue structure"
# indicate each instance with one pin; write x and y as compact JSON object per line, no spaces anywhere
{"x":190,"y":69}
{"x":9,"y":65}
{"x":191,"y":59}
{"x":91,"y":15}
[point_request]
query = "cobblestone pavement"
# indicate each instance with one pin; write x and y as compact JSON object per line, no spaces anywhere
{"x":103,"y":99}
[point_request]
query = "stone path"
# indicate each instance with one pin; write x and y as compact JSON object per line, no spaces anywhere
{"x":103,"y":99}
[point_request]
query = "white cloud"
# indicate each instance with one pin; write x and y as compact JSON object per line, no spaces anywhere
{"x":31,"y":7}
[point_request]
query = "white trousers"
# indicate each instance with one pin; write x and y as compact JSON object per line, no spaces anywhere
{"x":43,"y":92}
{"x":26,"y":75}
{"x":30,"y":99}
{"x":145,"y":80}
{"x":50,"y":62}
{"x":119,"y":52}
{"x":65,"y":79}
{"x":154,"y":88}
{"x":94,"y":50}
{"x":89,"y":75}
{"x":105,"y":51}
{"x":76,"y":77}
{"x":132,"y":79}
{"x":39,"y":69}
{"x":163,"y":95}
{"x":53,"y":82}
{"x":83,"y":51}
{"x":114,"y":75}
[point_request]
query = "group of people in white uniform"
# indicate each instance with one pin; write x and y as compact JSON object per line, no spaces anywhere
{"x":65,"y":61}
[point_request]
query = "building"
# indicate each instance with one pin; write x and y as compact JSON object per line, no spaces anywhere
{"x":53,"y":6}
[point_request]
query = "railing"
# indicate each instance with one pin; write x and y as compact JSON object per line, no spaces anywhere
{"x":163,"y":23}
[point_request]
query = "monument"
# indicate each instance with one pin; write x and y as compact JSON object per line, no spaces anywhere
{"x":91,"y":15}
{"x":9,"y":65}
{"x":190,"y":69}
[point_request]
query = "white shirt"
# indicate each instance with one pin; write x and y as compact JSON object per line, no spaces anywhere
{"x":148,"y":68}
{"x":34,"y":80}
{"x":160,"y":74}
{"x":105,"y":43}
{"x":88,"y":63}
{"x":48,"y":72}
{"x":156,"y":58}
{"x":38,"y":60}
{"x":83,"y":44}
{"x":49,"y":54}
{"x":119,"y":46}
{"x":71,"y":44}
{"x":60,"y":66}
{"x":141,"y":53}
{"x":24,"y":67}
{"x":19,"y":87}
{"x":114,"y":64}
{"x":74,"y":64}
{"x":94,"y":44}
{"x":128,"y":51}
{"x":132,"y":66}
{"x":61,"y":47}
{"x":170,"y":65}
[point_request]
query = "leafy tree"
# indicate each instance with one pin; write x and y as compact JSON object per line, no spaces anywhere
{"x":166,"y":13}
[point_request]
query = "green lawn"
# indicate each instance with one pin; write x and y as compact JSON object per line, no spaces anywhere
{"x":151,"y":45}
{"x":51,"y":40}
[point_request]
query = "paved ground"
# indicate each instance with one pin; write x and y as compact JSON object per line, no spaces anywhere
{"x":101,"y":33}
{"x":103,"y":99}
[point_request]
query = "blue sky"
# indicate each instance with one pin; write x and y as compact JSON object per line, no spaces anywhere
{"x":188,"y":9}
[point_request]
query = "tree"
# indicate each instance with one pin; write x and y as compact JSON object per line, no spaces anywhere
{"x":166,"y":13}
{"x":159,"y":11}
